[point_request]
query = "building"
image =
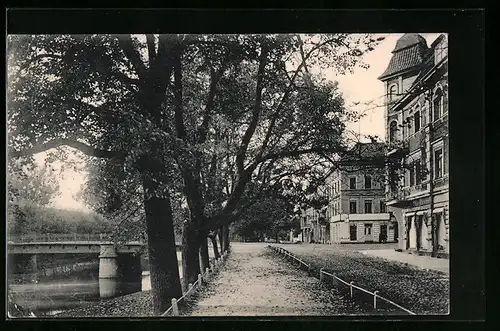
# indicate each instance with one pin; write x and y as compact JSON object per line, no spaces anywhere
{"x":313,"y":226}
{"x":416,"y":85}
{"x":357,"y":209}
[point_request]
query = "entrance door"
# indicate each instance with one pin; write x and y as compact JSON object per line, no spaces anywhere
{"x":368,"y":232}
{"x":353,"y":233}
{"x":441,"y":230}
{"x":383,"y":233}
{"x":413,"y":233}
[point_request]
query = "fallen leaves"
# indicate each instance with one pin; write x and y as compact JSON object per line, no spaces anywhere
{"x":422,"y":291}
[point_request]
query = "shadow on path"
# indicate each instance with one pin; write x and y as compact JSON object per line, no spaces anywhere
{"x":253,"y":282}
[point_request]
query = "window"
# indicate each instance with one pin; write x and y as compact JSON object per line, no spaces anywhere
{"x":438,"y":163}
{"x":353,"y":232}
{"x":416,"y":121}
{"x":368,"y":206}
{"x":418,"y":172}
{"x":412,"y":175}
{"x":368,"y":229}
{"x":383,"y":208}
{"x":438,"y":104}
{"x":352,"y":183}
{"x":368,"y":182}
{"x":393,"y":128}
{"x":353,"y":207}
{"x":393,"y":91}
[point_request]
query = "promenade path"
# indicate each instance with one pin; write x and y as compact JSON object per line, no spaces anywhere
{"x":252,"y":282}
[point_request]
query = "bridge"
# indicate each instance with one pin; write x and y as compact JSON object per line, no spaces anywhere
{"x":67,"y":244}
{"x":117,"y":262}
{"x":57,"y":243}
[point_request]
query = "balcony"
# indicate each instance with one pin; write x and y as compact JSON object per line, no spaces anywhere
{"x":440,"y":182}
{"x":397,"y":198}
{"x":417,"y":189}
{"x":398,"y":150}
{"x":415,"y":141}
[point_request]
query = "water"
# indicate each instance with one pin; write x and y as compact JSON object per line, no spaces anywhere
{"x":57,"y":291}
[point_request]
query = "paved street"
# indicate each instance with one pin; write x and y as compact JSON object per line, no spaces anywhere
{"x":424,"y":262}
{"x":252,"y":282}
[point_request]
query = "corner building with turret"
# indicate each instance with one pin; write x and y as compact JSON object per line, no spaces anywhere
{"x":417,"y":194}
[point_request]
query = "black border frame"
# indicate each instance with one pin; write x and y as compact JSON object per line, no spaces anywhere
{"x":466,"y":75}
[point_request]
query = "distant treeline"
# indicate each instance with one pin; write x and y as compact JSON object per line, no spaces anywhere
{"x":30,"y":218}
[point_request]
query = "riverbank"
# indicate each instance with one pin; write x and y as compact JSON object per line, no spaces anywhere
{"x":138,"y":304}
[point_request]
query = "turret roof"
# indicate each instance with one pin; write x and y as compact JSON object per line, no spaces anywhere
{"x":411,"y":51}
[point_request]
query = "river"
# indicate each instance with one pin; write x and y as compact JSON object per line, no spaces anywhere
{"x":67,"y":286}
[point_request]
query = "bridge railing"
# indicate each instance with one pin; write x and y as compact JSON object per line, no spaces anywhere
{"x":58,"y":237}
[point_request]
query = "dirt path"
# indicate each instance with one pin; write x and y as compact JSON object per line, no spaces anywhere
{"x":253,"y":282}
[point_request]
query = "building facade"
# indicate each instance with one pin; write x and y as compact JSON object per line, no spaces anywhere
{"x":416,"y":85}
{"x":357,"y":208}
{"x":314,"y":227}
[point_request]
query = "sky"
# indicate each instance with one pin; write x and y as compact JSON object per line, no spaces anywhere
{"x":361,"y":86}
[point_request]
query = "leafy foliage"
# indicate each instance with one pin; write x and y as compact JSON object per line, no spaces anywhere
{"x":162,"y":108}
{"x":28,"y":182}
{"x":31,"y":218}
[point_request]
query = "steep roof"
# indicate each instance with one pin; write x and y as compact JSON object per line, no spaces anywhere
{"x":410,"y":52}
{"x":429,"y":63}
{"x":365,"y":151}
{"x":407,"y":40}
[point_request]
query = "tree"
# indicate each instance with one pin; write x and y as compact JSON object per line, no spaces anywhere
{"x":107,"y":103}
{"x":28,"y":186}
{"x":157,"y":104}
{"x":272,"y":109}
{"x":31,"y":183}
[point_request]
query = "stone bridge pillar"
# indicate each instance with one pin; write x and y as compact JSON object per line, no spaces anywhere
{"x":108,"y":271}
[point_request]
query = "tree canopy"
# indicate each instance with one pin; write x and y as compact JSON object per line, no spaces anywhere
{"x":194,"y":116}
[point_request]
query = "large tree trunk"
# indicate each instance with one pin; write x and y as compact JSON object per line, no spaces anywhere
{"x":226,"y":238}
{"x":190,"y":254}
{"x":205,"y":258}
{"x":165,"y":282}
{"x":214,"y":244}
{"x":221,"y":239}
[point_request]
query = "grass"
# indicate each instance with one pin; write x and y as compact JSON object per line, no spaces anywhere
{"x":421,"y":291}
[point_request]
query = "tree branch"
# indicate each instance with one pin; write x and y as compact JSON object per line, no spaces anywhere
{"x":215,"y":75}
{"x":178,"y":109}
{"x":294,"y":153}
{"x":126,"y":79}
{"x":151,"y":48}
{"x":84,"y":148}
{"x":133,"y":55}
{"x":287,"y":93}
{"x":240,"y":157}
